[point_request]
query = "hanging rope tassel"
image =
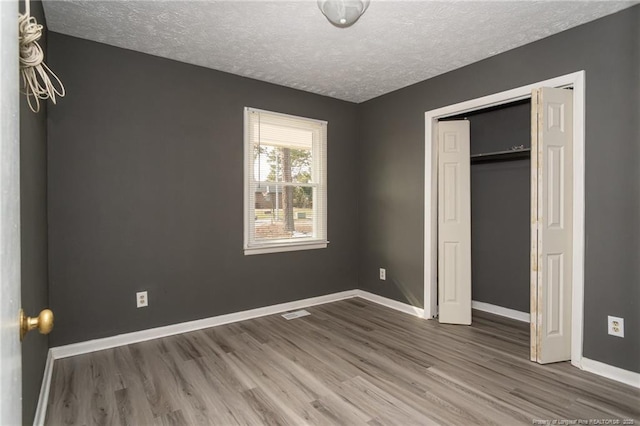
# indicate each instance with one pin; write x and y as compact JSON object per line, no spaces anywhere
{"x":36,"y":75}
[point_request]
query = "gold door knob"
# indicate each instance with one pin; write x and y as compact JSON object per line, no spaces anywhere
{"x":43,"y":322}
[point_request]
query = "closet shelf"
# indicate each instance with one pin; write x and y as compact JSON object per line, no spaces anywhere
{"x":516,"y":154}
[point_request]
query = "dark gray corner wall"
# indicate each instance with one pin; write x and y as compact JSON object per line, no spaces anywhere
{"x":500,"y":208}
{"x":146,"y":193}
{"x":33,"y":229}
{"x":392,"y":171}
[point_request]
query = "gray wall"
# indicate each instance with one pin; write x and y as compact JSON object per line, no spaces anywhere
{"x":33,"y":216}
{"x":500,"y":208}
{"x":145,"y":185}
{"x":392,"y":171}
{"x":146,"y":193}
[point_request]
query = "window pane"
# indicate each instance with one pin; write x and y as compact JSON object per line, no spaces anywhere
{"x":285,"y":182}
{"x":284,"y":212}
{"x":282,"y":164}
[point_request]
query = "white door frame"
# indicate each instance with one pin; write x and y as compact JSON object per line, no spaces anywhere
{"x":574,"y":80}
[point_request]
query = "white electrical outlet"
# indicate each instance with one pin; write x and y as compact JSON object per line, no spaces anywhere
{"x":141,"y":299}
{"x":383,"y":274}
{"x":616,"y":326}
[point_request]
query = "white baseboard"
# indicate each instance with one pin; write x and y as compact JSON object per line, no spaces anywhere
{"x":43,"y":399}
{"x":58,"y":352}
{"x":630,"y":378}
{"x":390,"y":303}
{"x":184,"y":327}
{"x":503,"y":312}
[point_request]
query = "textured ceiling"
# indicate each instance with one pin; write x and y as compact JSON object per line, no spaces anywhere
{"x":393,"y":45}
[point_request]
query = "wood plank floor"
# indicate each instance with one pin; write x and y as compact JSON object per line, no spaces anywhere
{"x":350,"y":362}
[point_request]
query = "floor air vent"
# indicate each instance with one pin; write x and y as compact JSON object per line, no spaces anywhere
{"x":295,"y":314}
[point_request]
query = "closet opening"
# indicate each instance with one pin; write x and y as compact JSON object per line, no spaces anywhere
{"x":500,"y":176}
{"x":557,"y":201}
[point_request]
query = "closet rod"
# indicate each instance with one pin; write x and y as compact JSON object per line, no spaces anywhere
{"x":501,"y":155}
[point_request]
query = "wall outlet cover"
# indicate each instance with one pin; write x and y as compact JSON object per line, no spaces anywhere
{"x":142,"y":299}
{"x":616,"y":326}
{"x":383,"y":274}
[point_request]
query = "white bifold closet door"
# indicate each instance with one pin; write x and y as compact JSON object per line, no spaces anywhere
{"x":551,"y":233}
{"x":454,"y":222}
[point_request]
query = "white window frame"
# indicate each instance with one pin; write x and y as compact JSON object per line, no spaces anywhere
{"x":318,"y":168}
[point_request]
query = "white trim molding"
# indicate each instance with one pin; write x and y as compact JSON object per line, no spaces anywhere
{"x":185,"y":327}
{"x":576,"y":81}
{"x":285,"y":248}
{"x":627,"y":377}
{"x":390,"y":303}
{"x":80,"y":348}
{"x":501,"y":311}
{"x":43,"y":399}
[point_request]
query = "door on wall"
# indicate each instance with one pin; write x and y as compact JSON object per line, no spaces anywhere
{"x":10,"y":352}
{"x":454,"y":222}
{"x":551,"y":224}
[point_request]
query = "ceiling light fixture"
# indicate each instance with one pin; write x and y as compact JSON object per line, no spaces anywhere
{"x":343,"y":13}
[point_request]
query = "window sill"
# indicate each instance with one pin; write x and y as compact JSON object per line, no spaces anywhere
{"x":285,"y":247}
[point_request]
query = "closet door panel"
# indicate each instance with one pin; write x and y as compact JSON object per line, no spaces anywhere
{"x":552,"y":212}
{"x":454,"y":222}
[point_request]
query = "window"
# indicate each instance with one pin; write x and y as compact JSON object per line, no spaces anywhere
{"x":285,"y":182}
